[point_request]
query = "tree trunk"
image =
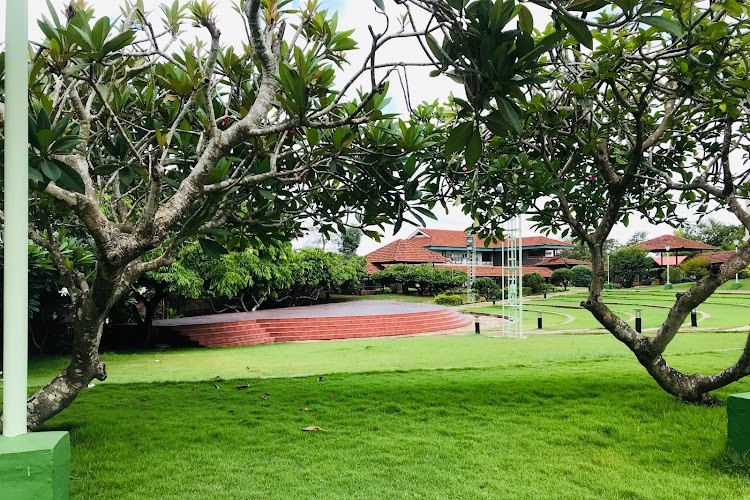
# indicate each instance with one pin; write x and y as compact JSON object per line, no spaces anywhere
{"x":85,"y":366}
{"x":692,"y":388}
{"x":151,"y":306}
{"x":676,"y":383}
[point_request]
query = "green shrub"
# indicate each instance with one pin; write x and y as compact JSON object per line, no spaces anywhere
{"x":487,"y":287}
{"x":580,"y":276}
{"x":527,"y":290}
{"x":424,"y":278}
{"x":628,"y":265}
{"x":449,"y":300}
{"x":675,"y":275}
{"x":562,"y":276}
{"x":695,"y":268}
{"x":535,"y":281}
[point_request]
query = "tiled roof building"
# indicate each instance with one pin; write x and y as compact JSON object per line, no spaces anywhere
{"x":675,"y":244}
{"x":401,"y":252}
{"x":447,"y":248}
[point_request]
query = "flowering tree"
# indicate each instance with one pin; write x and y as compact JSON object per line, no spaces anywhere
{"x":141,"y":141}
{"x":639,"y":108}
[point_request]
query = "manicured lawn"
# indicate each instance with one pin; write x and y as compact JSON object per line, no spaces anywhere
{"x":557,"y":416}
{"x":371,"y":355}
{"x":684,"y":286}
{"x":563,"y":311}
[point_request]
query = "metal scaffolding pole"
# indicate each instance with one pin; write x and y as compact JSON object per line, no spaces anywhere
{"x":471,"y":251}
{"x":16,"y":228}
{"x":519,"y":247}
{"x":512,"y":278}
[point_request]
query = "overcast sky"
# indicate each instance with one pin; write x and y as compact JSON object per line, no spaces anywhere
{"x":355,"y":14}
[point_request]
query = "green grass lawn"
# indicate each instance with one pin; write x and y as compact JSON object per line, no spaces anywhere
{"x":745,"y":282}
{"x":563,"y":311}
{"x":558,"y":416}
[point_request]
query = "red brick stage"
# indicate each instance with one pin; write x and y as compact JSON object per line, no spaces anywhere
{"x":345,"y":320}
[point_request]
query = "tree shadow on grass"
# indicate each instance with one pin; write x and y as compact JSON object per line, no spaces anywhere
{"x":732,"y":463}
{"x":63,"y":427}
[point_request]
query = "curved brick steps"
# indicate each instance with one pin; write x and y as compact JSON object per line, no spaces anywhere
{"x":323,"y":323}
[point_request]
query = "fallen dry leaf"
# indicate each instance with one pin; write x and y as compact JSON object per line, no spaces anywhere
{"x":242,"y":387}
{"x":304,"y":408}
{"x":313,"y":428}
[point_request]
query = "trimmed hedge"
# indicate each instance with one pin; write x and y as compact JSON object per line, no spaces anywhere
{"x":449,"y":300}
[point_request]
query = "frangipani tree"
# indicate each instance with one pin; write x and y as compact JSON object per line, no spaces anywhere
{"x":142,"y":140}
{"x":641,"y":109}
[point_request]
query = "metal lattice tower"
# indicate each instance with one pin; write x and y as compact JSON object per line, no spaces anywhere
{"x":472,"y":274}
{"x":512,"y":274}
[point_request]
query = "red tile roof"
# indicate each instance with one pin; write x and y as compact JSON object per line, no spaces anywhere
{"x":455,"y":238}
{"x":554,"y":262}
{"x":406,"y":252}
{"x":497,"y":271}
{"x":675,"y":243}
{"x":371,"y":268}
{"x":717,"y":257}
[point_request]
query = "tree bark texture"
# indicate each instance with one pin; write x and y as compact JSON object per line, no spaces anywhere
{"x":649,"y":349}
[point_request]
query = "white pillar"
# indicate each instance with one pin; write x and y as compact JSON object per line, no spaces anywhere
{"x":16,"y":209}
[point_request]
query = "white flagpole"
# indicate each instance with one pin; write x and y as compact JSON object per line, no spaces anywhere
{"x":16,"y":211}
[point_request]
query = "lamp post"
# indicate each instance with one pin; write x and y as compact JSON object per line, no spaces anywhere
{"x":609,"y":282}
{"x":638,"y":319}
{"x":668,"y":284}
{"x":736,"y":283}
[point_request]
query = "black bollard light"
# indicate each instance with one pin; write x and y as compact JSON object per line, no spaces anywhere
{"x":693,"y":318}
{"x":539,"y":320}
{"x":638,"y":320}
{"x":476,"y":327}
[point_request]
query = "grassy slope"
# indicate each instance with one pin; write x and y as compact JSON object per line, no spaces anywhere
{"x":560,"y":429}
{"x":564,"y":416}
{"x":365,"y":355}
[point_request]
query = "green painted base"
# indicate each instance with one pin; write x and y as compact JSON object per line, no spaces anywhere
{"x":608,"y":286}
{"x":738,"y":423}
{"x":667,"y":286}
{"x":35,"y":466}
{"x":736,"y":285}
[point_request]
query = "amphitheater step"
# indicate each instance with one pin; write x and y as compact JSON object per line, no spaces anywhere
{"x":291,"y":325}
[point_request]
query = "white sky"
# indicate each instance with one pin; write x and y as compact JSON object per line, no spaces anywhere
{"x":356,"y":14}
